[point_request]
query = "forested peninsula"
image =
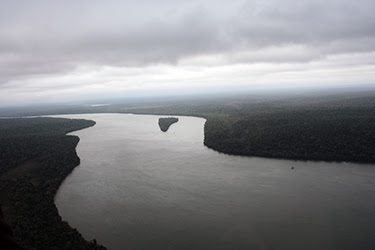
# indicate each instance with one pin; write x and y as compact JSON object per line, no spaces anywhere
{"x":302,"y":134}
{"x":319,"y":126}
{"x":35,"y":157}
{"x":165,"y":123}
{"x":325,"y":127}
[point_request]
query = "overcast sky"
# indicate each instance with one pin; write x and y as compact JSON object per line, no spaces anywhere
{"x":54,"y":50}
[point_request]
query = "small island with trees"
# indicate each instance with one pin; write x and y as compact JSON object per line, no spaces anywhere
{"x":165,"y":123}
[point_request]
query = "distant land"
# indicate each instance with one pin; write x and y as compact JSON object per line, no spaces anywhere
{"x":165,"y":123}
{"x":332,"y":126}
{"x":36,"y":154}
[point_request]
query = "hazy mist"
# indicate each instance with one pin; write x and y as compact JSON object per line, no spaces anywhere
{"x":54,"y":51}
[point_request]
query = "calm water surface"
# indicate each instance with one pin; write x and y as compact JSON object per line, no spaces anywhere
{"x":140,"y":188}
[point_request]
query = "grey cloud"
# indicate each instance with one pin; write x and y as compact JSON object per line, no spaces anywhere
{"x":47,"y":37}
{"x":305,"y":22}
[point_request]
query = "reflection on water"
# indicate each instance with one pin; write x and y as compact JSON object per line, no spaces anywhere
{"x":140,"y":188}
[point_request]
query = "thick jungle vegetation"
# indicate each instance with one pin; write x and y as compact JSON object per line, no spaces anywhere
{"x":165,"y":123}
{"x":35,"y":157}
{"x":330,"y":126}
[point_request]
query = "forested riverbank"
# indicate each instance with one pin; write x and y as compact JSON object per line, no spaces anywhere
{"x":325,"y":127}
{"x":322,"y":128}
{"x":35,"y":157}
{"x":324,"y":134}
{"x":36,"y":154}
{"x":173,"y":191}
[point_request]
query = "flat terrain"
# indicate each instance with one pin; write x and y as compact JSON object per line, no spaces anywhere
{"x":319,"y":126}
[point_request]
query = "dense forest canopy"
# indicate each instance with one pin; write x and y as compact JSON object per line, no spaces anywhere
{"x":320,"y":126}
{"x":165,"y":123}
{"x":35,"y":157}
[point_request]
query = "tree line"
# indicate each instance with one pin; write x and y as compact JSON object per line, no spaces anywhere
{"x":35,"y":157}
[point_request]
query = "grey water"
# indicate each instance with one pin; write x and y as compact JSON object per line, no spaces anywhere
{"x":140,"y":188}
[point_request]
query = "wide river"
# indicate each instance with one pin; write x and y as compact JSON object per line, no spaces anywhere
{"x":140,"y":188}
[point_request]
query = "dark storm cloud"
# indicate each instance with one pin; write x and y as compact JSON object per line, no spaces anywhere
{"x":47,"y":37}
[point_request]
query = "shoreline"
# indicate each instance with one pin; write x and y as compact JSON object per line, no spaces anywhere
{"x":29,"y":184}
{"x":210,"y":146}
